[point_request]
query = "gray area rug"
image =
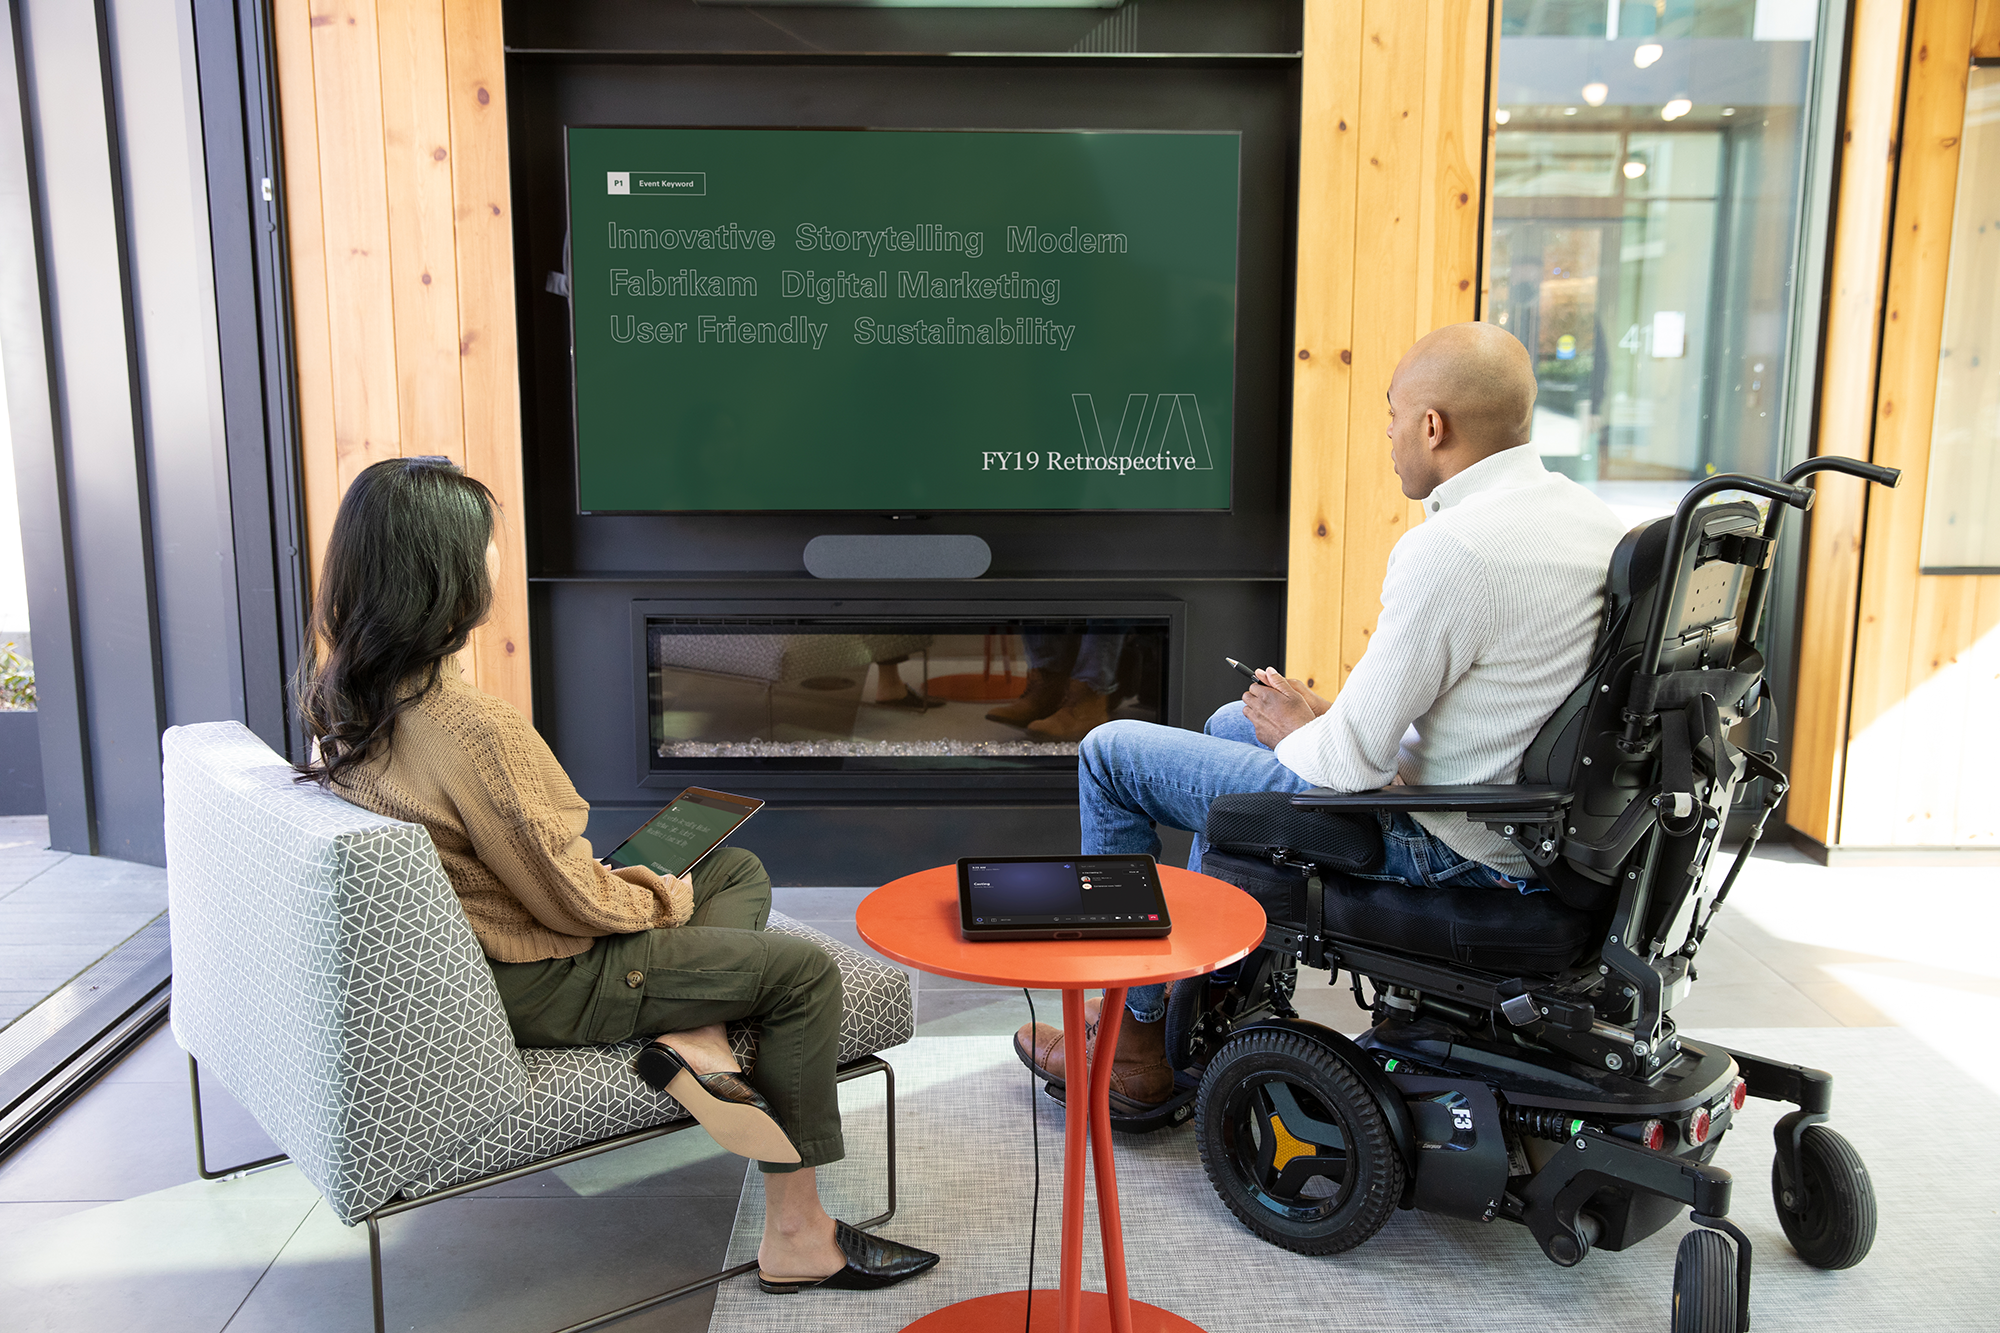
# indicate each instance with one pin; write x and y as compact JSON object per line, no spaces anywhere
{"x":967,"y":1179}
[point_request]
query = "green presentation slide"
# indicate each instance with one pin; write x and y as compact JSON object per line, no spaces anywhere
{"x":889,"y":320}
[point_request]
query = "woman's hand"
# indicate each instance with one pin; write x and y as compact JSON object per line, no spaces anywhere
{"x":1277,"y":706}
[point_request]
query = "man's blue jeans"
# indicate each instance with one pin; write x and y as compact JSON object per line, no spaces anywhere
{"x":1135,"y":775}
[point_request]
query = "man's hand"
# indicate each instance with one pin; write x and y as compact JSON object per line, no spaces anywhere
{"x":1277,"y":706}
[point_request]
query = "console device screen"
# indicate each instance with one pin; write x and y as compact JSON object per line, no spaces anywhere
{"x":1041,"y":898}
{"x":694,"y":825}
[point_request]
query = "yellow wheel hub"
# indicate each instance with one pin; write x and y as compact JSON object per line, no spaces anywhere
{"x":1286,"y":1147}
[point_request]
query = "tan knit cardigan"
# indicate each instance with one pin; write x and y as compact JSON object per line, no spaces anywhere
{"x":509,"y":828}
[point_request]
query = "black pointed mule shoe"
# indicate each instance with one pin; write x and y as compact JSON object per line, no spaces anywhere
{"x":872,"y":1263}
{"x":732,"y":1112}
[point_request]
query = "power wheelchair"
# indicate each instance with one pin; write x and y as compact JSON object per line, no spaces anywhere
{"x":1523,"y":1062}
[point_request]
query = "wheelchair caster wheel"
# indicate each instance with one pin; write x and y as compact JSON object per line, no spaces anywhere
{"x":1295,"y":1144}
{"x":1833,"y":1226}
{"x":1705,"y":1284}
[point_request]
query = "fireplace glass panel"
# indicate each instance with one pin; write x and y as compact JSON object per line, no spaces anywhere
{"x":850,"y":696}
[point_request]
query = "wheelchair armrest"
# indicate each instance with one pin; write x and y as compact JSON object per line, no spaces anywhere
{"x":1487,"y":801}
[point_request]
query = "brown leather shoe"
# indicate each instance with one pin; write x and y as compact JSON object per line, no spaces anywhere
{"x":1040,"y":1046}
{"x":1083,"y":711}
{"x":1140,"y":1076}
{"x":1043,"y":696}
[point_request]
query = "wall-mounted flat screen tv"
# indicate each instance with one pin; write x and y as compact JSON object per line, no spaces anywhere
{"x":786,"y":320}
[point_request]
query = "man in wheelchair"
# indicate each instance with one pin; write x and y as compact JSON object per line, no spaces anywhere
{"x":1501,"y":826}
{"x":1489,"y":613}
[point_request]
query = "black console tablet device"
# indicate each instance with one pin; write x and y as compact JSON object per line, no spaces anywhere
{"x":1060,"y":898}
{"x":692,"y":826}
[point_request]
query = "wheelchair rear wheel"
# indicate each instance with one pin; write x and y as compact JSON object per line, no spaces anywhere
{"x":1295,"y":1145}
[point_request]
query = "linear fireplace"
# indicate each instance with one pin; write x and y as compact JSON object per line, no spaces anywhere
{"x":910,"y":688}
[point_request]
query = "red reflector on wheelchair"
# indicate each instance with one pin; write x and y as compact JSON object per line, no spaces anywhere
{"x":1698,"y":1126}
{"x":1739,"y":1094}
{"x":1653,"y":1134}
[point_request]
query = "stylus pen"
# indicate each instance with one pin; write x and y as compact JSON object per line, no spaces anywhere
{"x":1248,"y":671}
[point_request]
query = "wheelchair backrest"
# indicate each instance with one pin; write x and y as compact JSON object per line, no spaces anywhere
{"x":1583,"y":745}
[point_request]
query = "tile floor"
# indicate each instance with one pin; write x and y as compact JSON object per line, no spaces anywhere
{"x":104,"y":1224}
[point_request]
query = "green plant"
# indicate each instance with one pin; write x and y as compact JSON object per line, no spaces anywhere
{"x":17,"y":679}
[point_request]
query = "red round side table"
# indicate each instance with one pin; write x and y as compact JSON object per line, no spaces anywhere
{"x":914,"y":920}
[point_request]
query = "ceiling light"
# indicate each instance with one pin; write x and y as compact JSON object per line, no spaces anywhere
{"x":1729,"y":111}
{"x":1675,"y":109}
{"x":1503,"y":116}
{"x":1569,"y":111}
{"x":1647,"y":54}
{"x":1634,"y":170}
{"x":1595,"y":93}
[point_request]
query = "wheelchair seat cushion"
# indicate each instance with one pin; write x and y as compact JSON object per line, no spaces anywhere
{"x":1491,"y":929}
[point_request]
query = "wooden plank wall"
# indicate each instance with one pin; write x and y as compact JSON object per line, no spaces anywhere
{"x":1862,"y":194}
{"x":400,"y":226}
{"x":1925,"y":709}
{"x":1392,"y":146}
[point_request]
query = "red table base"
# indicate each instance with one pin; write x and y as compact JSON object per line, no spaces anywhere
{"x":1003,"y":1314}
{"x":915,"y":921}
{"x":1087,"y":1125}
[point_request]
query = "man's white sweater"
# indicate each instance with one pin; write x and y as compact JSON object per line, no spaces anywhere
{"x":1489,"y":612}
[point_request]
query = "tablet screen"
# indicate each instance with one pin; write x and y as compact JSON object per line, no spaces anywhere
{"x":687,"y":830}
{"x":1081,"y":891}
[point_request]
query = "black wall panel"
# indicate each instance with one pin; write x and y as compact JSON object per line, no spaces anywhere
{"x":1185,"y":66}
{"x":142,"y":337}
{"x":97,"y":437}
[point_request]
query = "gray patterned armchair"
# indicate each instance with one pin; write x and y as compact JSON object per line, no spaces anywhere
{"x":325,"y":975}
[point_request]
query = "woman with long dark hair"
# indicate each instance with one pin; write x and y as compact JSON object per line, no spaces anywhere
{"x":582,"y":954}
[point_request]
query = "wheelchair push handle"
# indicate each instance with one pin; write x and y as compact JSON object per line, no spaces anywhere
{"x":1798,"y":497}
{"x":1774,"y":521}
{"x":1853,"y":467}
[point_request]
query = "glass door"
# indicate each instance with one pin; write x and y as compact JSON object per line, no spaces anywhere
{"x":1649,"y":180}
{"x":1656,"y":240}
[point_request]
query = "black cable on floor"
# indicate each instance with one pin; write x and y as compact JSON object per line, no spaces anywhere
{"x":1035,"y":1135}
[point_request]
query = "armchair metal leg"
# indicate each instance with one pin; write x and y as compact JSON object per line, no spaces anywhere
{"x":889,"y":1133}
{"x":201,"y":1143}
{"x":375,"y":1270}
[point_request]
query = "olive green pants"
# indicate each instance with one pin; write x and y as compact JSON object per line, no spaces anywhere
{"x":721,"y":967}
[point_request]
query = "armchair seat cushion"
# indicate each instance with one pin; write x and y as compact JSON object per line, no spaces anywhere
{"x":578,"y":1095}
{"x":1495,"y":930}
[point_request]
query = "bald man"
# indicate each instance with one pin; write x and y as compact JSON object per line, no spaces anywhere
{"x":1489,"y":613}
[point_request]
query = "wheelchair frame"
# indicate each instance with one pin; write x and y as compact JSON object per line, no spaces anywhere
{"x":1577,"y":1061}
